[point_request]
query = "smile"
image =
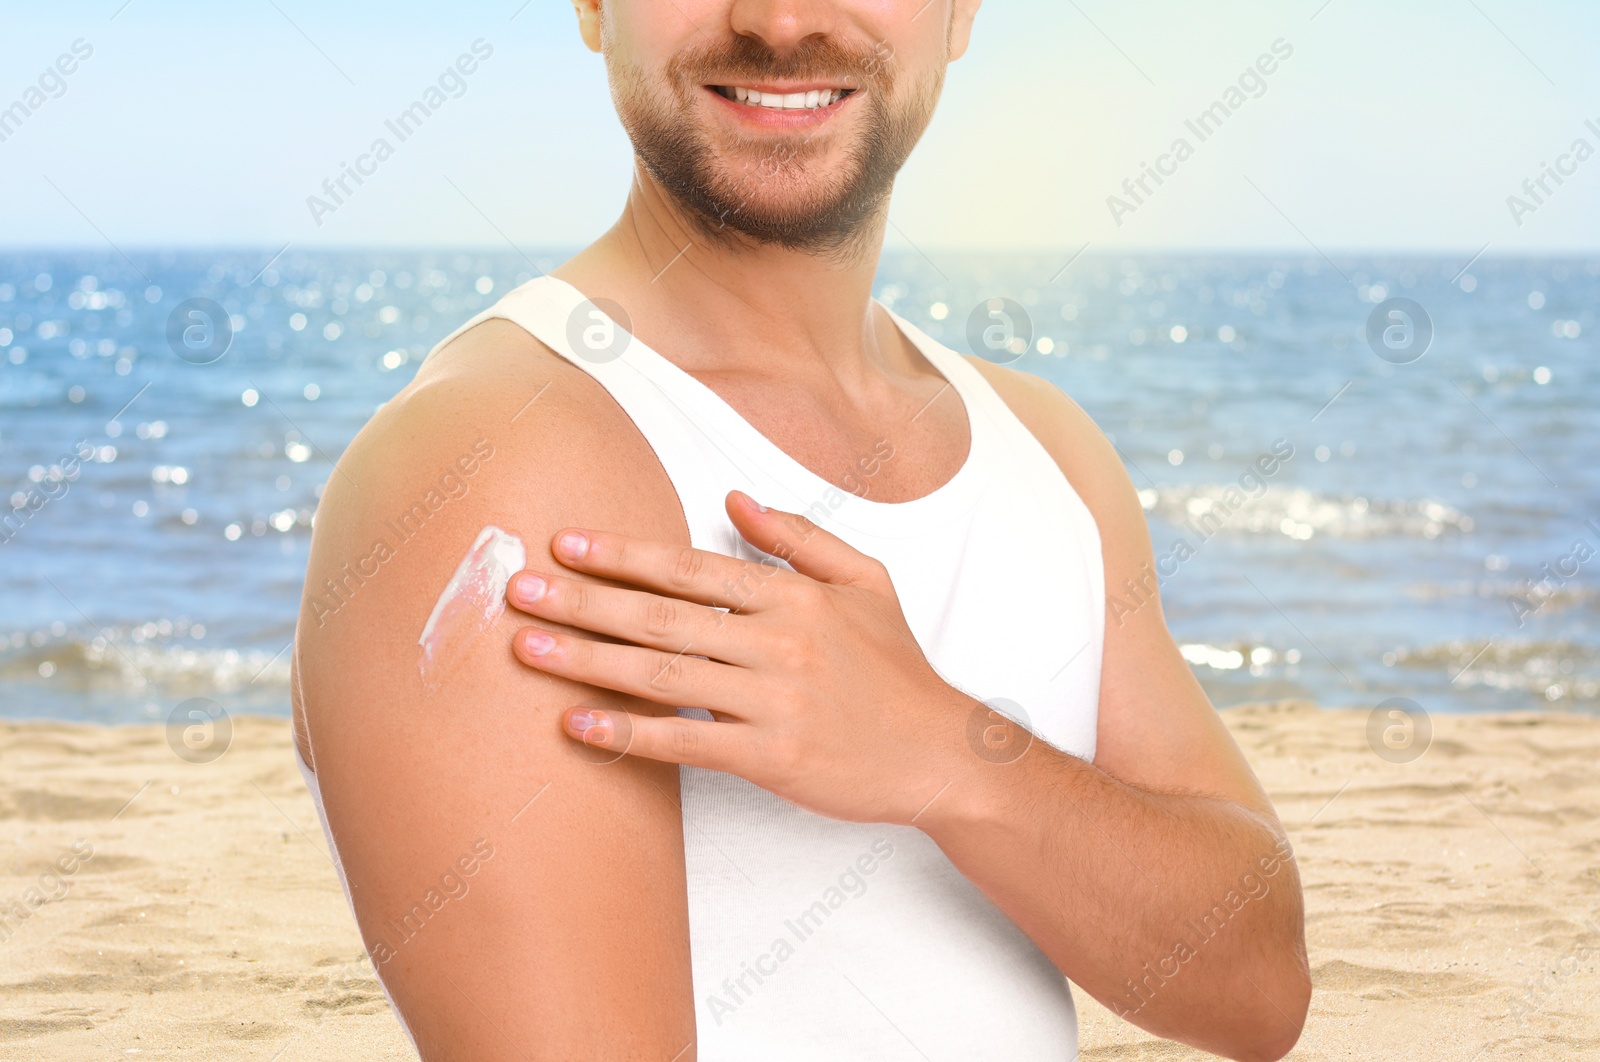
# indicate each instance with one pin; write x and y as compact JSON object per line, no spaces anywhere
{"x":813,"y":100}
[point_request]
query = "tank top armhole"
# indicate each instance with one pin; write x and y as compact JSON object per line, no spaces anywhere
{"x":518,"y":308}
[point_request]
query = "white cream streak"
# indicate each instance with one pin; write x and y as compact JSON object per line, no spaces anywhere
{"x":471,"y":602}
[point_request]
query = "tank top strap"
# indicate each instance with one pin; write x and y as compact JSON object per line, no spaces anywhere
{"x":586,"y":336}
{"x":989,"y":415}
{"x":708,"y":448}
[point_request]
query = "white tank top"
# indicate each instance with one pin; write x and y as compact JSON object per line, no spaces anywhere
{"x":817,"y":939}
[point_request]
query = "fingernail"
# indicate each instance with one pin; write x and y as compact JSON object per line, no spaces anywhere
{"x":537,"y":643}
{"x":757,"y":505}
{"x":593,"y":727}
{"x":527,"y":589}
{"x":573,"y":544}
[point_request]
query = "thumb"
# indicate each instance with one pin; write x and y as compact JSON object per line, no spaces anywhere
{"x":809,"y":549}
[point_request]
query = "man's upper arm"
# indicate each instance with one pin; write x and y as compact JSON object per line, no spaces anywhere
{"x":520,"y":899}
{"x":1157,"y":729}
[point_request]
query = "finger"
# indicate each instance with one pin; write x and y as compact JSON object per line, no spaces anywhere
{"x":676,"y":678}
{"x":809,"y":549}
{"x":679,"y":571}
{"x":670,"y":738}
{"x":633,"y":615}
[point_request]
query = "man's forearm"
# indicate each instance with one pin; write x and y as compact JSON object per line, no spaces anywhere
{"x":1181,"y":913}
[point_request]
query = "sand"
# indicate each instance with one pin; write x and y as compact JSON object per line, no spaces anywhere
{"x":1453,"y":902}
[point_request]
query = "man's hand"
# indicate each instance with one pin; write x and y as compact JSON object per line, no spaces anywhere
{"x":819,"y":691}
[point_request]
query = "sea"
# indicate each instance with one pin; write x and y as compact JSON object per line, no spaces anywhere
{"x":1366,"y":477}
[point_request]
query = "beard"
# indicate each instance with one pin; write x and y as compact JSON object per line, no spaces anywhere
{"x":771,"y":189}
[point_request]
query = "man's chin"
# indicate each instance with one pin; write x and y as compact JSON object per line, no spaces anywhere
{"x":815,"y":194}
{"x":800,"y":216}
{"x":776,"y":197}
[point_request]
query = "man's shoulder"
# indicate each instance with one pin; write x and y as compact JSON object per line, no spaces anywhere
{"x":427,"y":734}
{"x":1029,"y":396}
{"x":493,"y":377}
{"x":495,"y":430}
{"x":1083,"y":452}
{"x":1059,"y":423}
{"x":495,"y":387}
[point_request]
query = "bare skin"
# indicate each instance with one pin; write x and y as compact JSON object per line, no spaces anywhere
{"x":583,"y":899}
{"x":412,"y":778}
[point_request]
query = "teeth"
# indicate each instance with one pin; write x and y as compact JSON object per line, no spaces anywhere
{"x":791,"y":101}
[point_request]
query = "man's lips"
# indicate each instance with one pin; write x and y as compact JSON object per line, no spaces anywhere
{"x":803,"y":98}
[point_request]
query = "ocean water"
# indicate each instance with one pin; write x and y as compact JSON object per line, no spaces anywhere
{"x":1429,"y":527}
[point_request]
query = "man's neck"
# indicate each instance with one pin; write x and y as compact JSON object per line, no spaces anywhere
{"x":730,"y":304}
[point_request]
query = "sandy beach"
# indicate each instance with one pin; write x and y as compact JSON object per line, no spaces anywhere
{"x":1453,"y":902}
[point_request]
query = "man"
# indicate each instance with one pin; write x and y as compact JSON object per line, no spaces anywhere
{"x":698,"y":500}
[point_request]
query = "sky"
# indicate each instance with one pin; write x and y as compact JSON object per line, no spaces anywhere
{"x":1389,"y":127}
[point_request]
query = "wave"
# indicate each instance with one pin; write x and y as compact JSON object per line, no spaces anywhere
{"x":1507,"y":590}
{"x":1555,"y":670}
{"x":138,"y":658}
{"x":1301,"y":514}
